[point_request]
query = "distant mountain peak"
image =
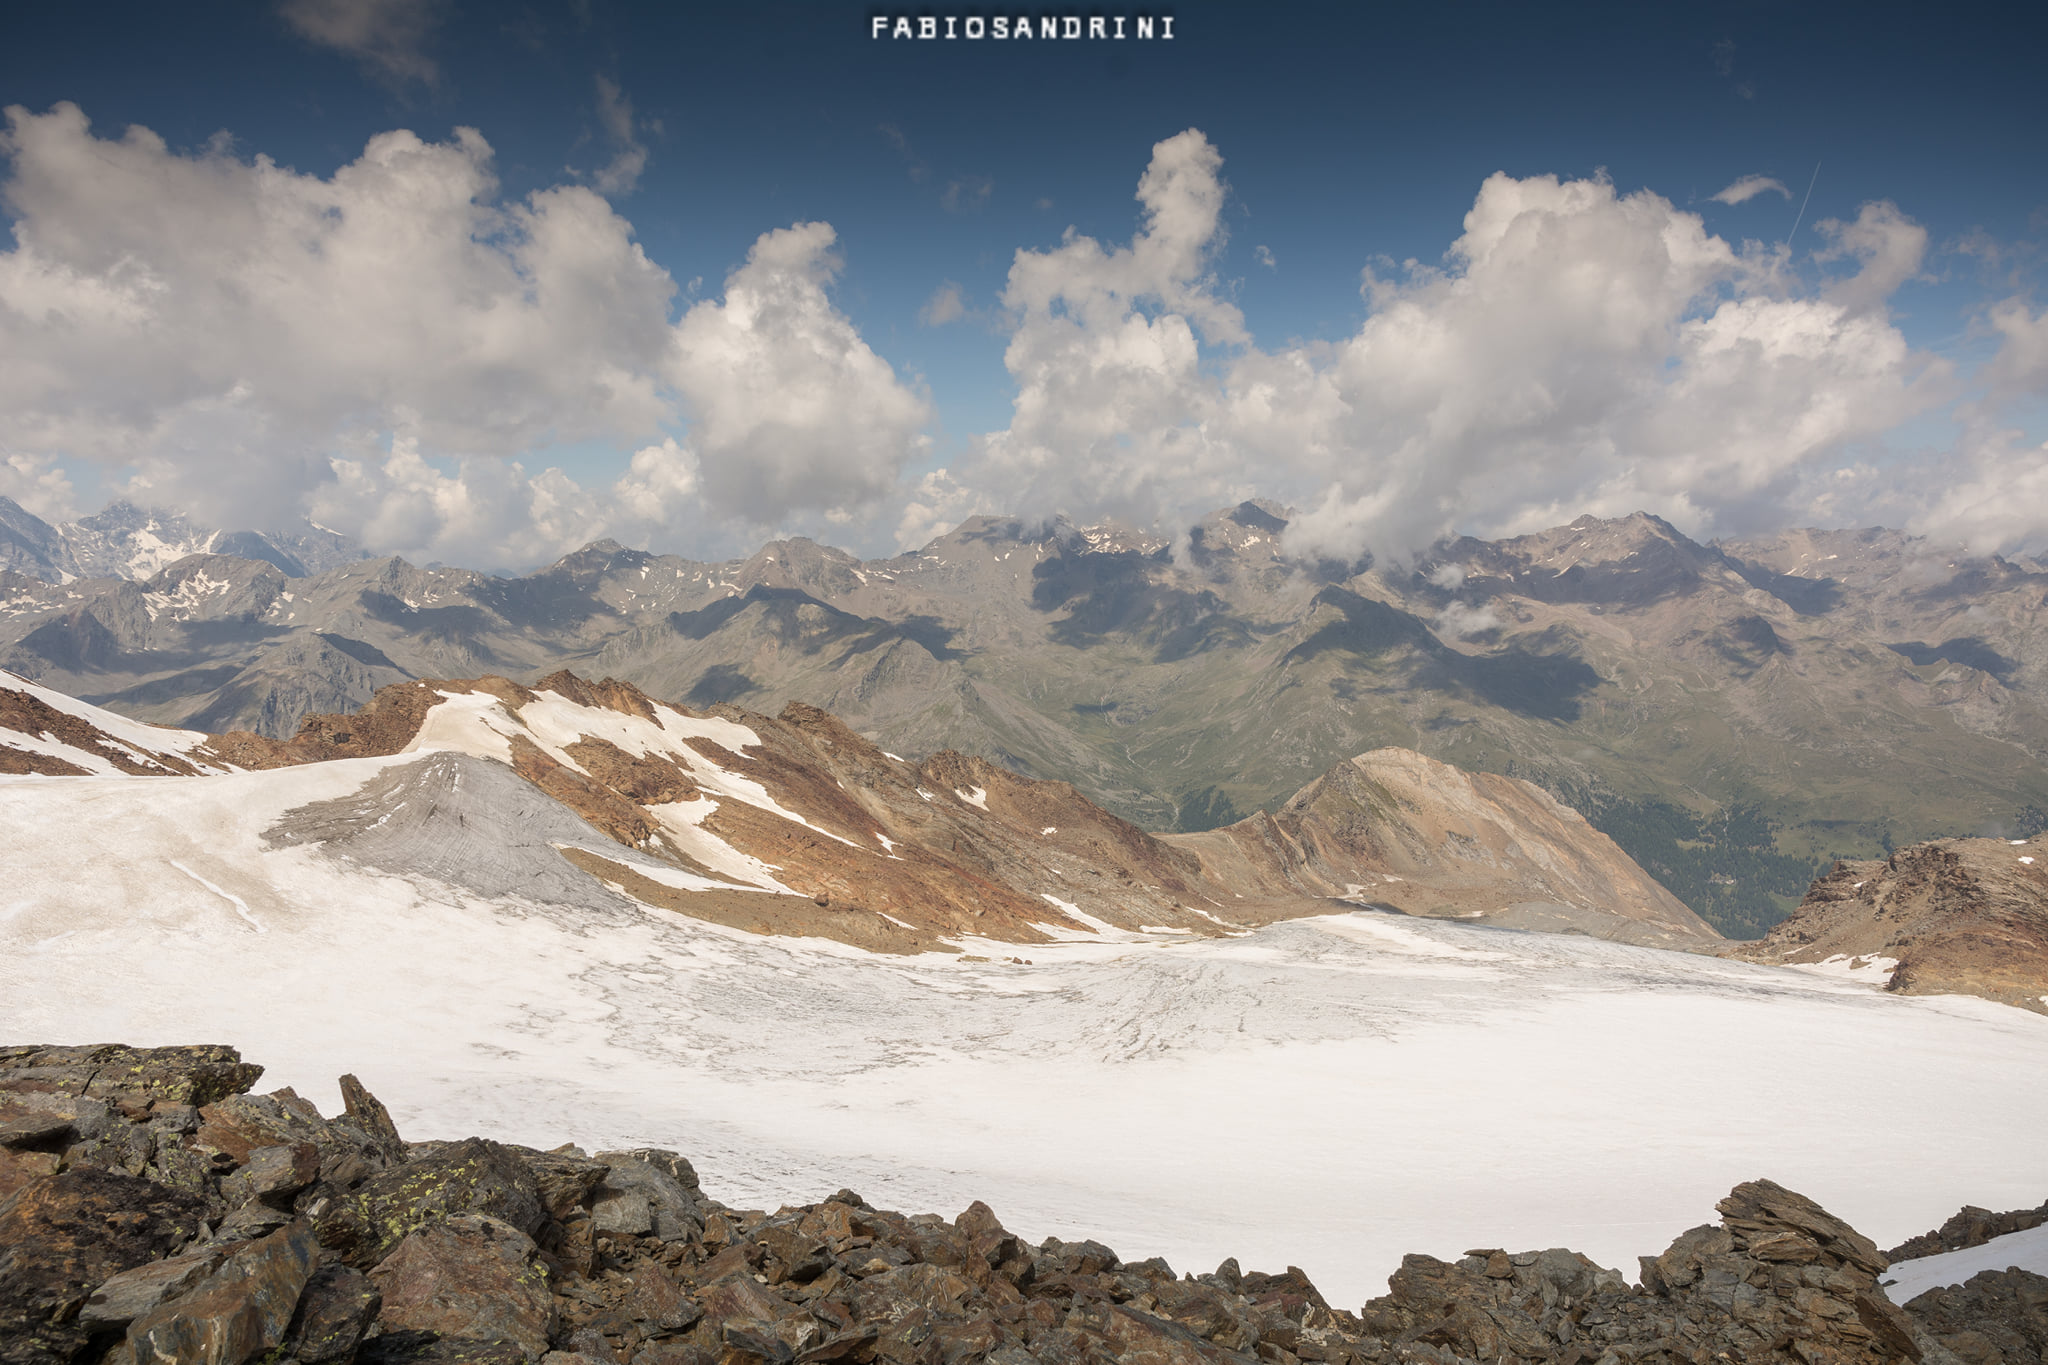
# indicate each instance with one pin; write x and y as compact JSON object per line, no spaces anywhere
{"x":127,"y":540}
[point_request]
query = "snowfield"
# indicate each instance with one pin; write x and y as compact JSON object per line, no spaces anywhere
{"x":1329,"y":1093}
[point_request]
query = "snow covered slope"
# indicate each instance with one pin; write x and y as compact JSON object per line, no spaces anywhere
{"x":1330,"y":1092}
{"x":47,"y":733}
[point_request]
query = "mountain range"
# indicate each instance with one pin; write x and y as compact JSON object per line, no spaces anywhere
{"x":1734,"y":715}
{"x":123,"y":540}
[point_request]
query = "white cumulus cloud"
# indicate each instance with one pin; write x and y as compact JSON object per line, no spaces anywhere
{"x":203,"y":317}
{"x":249,"y":342}
{"x":1577,"y":349}
{"x":792,"y":410}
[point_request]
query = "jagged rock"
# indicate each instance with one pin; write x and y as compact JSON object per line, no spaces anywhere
{"x":197,"y":1075}
{"x":273,"y":1174}
{"x":63,"y":1236}
{"x":36,"y":1130}
{"x":240,"y":1311}
{"x":334,"y":1313}
{"x":567,"y":1180}
{"x":469,"y":1275}
{"x":241,"y":1125}
{"x":1761,"y":1214}
{"x":22,"y":1168}
{"x":639,"y":1196}
{"x":674,"y":1164}
{"x":134,"y":1293}
{"x":1998,"y":1317}
{"x":371,"y":1116}
{"x":251,"y":1221}
{"x":1946,"y":917}
{"x":471,"y":1176}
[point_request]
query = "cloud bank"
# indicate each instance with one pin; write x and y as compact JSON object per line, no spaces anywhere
{"x":251,"y":342}
{"x":1577,"y":349}
{"x":394,"y":348}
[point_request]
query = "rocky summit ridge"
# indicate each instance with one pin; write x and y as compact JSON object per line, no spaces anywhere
{"x":152,"y":1209}
{"x":794,"y":824}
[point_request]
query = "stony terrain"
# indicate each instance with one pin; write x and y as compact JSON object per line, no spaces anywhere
{"x":1952,"y":916}
{"x":1833,"y":689}
{"x":152,"y":1209}
{"x":794,"y":824}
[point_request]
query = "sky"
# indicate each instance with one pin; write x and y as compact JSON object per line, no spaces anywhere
{"x":480,"y":284}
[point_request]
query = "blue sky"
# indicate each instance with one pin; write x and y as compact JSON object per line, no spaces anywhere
{"x":1350,"y":137}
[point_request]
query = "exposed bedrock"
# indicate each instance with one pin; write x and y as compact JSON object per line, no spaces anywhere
{"x":159,"y":1212}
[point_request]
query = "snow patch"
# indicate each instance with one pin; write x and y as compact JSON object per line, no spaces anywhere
{"x":1869,"y":968}
{"x":1100,"y":928}
{"x":1907,"y":1280}
{"x":473,"y":723}
{"x":973,"y":796}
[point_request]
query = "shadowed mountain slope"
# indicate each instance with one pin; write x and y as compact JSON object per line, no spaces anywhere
{"x":1733,"y":715}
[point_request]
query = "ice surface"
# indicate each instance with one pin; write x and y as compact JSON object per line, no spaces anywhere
{"x":1327,"y":1093}
{"x":2028,"y":1250}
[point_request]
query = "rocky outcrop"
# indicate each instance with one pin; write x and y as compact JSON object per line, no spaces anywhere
{"x":374,"y":1250}
{"x":1968,"y":1227}
{"x":1953,"y":916}
{"x":1395,"y":828}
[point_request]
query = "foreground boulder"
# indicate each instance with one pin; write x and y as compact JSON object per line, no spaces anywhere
{"x":255,"y":1229}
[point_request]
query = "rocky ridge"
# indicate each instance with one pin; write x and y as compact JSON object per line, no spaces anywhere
{"x":152,"y":1209}
{"x":1950,"y":916}
{"x":796,"y":824}
{"x":1969,"y":1227}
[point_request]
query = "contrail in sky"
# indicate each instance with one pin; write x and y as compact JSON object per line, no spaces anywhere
{"x":1802,"y":204}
